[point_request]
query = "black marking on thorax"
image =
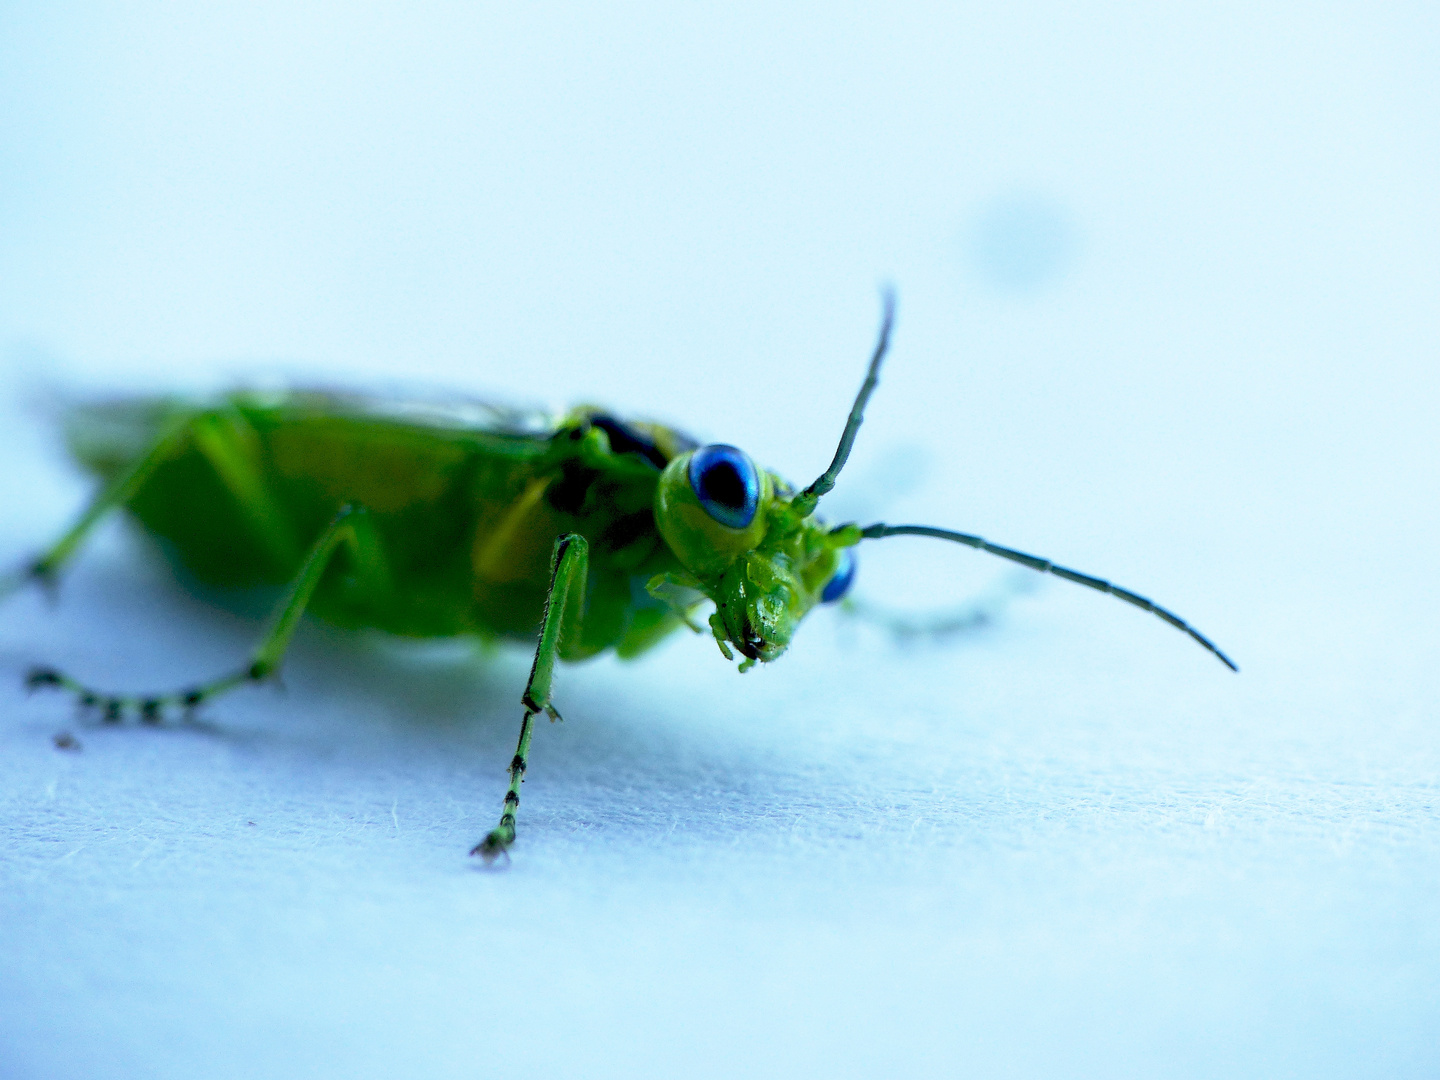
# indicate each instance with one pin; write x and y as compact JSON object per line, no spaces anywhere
{"x":626,"y":440}
{"x":568,"y":493}
{"x":627,"y":530}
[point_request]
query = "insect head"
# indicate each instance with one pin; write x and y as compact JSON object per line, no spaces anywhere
{"x":754,"y":546}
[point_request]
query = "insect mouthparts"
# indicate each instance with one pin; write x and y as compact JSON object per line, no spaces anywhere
{"x":750,"y":646}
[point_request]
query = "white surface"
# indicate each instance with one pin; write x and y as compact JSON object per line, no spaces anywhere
{"x":1167,"y":314}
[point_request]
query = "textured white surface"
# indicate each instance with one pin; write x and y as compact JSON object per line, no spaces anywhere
{"x":1168,"y":315}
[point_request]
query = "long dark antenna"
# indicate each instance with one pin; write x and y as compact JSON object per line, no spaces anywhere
{"x":1045,"y":566}
{"x":805,"y":502}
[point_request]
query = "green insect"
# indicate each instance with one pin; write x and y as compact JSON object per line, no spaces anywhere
{"x":591,"y":533}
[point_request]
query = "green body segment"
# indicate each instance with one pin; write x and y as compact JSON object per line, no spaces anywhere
{"x":459,"y":517}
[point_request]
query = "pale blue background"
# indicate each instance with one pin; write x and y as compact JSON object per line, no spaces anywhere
{"x":1170,"y":312}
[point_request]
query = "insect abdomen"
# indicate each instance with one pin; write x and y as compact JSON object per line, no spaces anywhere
{"x":465,"y":520}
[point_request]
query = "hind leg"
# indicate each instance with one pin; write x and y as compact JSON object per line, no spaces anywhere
{"x":45,"y":567}
{"x":350,"y":529}
{"x":228,"y":442}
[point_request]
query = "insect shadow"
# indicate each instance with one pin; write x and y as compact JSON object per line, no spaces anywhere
{"x":634,"y":772}
{"x":366,"y":697}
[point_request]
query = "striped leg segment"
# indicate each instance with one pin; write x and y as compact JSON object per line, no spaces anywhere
{"x":348,"y":529}
{"x":559,"y":628}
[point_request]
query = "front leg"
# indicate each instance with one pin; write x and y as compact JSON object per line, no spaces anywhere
{"x":560,"y":625}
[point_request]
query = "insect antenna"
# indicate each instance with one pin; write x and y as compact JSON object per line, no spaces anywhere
{"x":806,"y":501}
{"x":879,"y":531}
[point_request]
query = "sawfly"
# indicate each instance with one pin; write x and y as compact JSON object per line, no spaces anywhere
{"x":581,"y":534}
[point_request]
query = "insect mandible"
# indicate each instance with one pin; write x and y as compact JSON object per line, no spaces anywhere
{"x":591,"y":532}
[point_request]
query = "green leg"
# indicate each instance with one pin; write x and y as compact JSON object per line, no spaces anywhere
{"x":44,"y":567}
{"x":347,"y":528}
{"x":231,"y":446}
{"x":559,"y":632}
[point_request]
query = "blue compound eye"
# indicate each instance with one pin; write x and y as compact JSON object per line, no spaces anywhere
{"x":840,"y":581}
{"x":726,"y":483}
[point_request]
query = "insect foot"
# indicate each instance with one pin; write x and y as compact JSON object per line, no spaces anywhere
{"x":497,"y":843}
{"x":38,"y":677}
{"x":112,"y":707}
{"x":36,"y":571}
